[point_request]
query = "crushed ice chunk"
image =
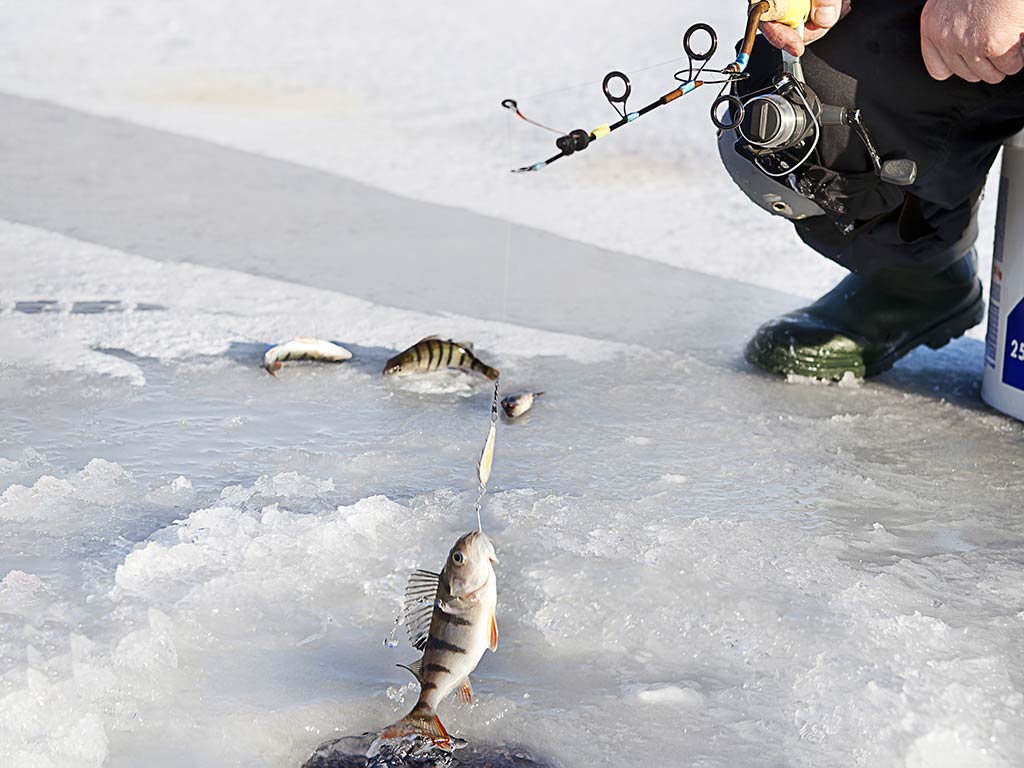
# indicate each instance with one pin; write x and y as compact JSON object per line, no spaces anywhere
{"x":293,"y":485}
{"x":849,"y":380}
{"x":946,"y":748}
{"x":99,"y":493}
{"x":19,"y":589}
{"x":173,"y":493}
{"x":415,"y":751}
{"x":638,"y":440}
{"x":180,"y":484}
{"x":673,"y":695}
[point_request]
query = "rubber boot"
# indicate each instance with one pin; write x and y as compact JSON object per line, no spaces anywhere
{"x":865,"y":324}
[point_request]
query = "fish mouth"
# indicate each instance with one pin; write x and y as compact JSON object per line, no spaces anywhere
{"x":392,"y":370}
{"x":483,"y":541}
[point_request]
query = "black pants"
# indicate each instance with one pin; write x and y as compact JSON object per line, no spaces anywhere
{"x":952,"y":129}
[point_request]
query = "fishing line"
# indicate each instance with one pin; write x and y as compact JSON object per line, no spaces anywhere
{"x":512,"y":105}
{"x":568,"y":88}
{"x":508,"y":227}
{"x":508,"y":266}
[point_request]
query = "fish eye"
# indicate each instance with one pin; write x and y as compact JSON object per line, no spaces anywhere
{"x":458,"y":558}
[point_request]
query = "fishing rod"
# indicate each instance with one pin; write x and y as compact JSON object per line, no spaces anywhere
{"x":617,"y":87}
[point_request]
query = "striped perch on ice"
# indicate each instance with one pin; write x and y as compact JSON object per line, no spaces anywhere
{"x":450,"y":617}
{"x":433,"y":354}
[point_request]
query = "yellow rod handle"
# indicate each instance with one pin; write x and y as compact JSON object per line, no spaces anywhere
{"x":792,"y":13}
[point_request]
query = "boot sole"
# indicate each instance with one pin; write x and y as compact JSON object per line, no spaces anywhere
{"x":936,"y":337}
{"x":834,"y":366}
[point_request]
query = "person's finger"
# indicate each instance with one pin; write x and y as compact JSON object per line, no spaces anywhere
{"x":986,"y":70}
{"x":825,"y":13}
{"x":812,"y":33}
{"x":933,"y":61}
{"x":783,"y":37}
{"x":1011,"y":62}
{"x":961,"y":68}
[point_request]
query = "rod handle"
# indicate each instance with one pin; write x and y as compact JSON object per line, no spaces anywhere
{"x":792,"y":13}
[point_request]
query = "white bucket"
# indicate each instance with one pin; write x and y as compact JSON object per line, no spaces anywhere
{"x":1002,"y":386}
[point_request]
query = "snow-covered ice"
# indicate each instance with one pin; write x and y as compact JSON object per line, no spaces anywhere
{"x":699,"y":565}
{"x":201,"y":561}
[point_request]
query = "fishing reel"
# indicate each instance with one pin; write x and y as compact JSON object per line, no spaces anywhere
{"x":771,"y":122}
{"x":777,"y":124}
{"x":768,"y":138}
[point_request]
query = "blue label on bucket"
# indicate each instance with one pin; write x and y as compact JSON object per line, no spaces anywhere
{"x":1013,"y":356}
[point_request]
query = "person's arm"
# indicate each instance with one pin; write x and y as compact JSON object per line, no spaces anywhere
{"x":824,"y":15}
{"x":978,"y":40}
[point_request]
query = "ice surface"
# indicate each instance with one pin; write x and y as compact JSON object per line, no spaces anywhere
{"x":319,"y":88}
{"x":699,"y":565}
{"x":694,"y":560}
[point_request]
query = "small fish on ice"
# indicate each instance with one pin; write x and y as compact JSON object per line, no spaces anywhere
{"x":450,"y":616}
{"x":304,"y":348}
{"x":517,"y":405}
{"x":434,"y":354}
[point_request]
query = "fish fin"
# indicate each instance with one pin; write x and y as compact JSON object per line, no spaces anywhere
{"x":494,"y":633}
{"x":467,"y":345}
{"x":431,"y":337}
{"x":420,"y":596}
{"x":422,"y":722}
{"x":416,"y":667}
{"x":538,"y":394}
{"x":464,"y":692}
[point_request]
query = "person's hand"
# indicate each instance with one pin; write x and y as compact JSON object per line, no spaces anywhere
{"x":824,"y":15}
{"x":977,"y":40}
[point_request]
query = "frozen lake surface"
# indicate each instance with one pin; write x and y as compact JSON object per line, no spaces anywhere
{"x":700,"y":565}
{"x":202,"y":561}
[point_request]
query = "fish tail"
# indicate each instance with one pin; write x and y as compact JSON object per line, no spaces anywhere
{"x":422,"y":720}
